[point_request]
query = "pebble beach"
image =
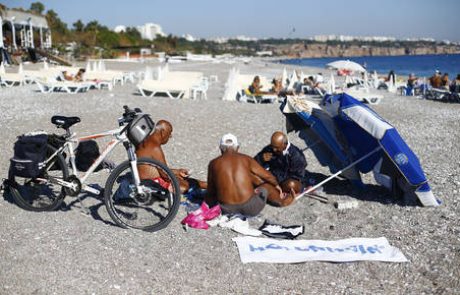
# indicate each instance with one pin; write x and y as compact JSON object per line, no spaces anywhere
{"x":81,"y":251}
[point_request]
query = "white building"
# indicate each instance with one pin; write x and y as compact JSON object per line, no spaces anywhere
{"x":189,"y":38}
{"x":119,"y":29}
{"x":150,"y":31}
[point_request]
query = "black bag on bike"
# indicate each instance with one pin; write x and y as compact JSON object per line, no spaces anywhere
{"x":57,"y":142}
{"x":29,"y":155}
{"x":140,"y":128}
{"x":87,"y":152}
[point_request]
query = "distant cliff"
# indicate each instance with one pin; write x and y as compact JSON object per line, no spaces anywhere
{"x":343,"y":50}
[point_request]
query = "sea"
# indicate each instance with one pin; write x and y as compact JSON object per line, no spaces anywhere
{"x":420,"y":65}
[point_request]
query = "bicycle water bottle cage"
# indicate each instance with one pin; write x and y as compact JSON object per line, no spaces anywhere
{"x":64,"y":122}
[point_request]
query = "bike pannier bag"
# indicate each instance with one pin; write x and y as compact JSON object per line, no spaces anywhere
{"x":29,"y":155}
{"x":56,"y":141}
{"x":140,"y":128}
{"x":87,"y":152}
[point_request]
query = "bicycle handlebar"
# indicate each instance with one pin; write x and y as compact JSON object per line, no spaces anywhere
{"x":128,"y":115}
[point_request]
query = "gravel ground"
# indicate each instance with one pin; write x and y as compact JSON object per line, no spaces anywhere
{"x":70,"y":252}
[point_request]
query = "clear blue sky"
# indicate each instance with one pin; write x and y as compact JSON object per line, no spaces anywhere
{"x":438,"y":19}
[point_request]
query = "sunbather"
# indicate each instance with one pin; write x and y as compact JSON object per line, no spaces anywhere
{"x":445,"y":81}
{"x":79,"y":76}
{"x":279,"y":90}
{"x":151,"y":148}
{"x":239,"y":184}
{"x":455,"y":84}
{"x":285,"y":161}
{"x":255,"y":88}
{"x":66,"y":76}
{"x":435,"y":80}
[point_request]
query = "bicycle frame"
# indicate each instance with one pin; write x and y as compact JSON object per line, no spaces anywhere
{"x":72,"y":142}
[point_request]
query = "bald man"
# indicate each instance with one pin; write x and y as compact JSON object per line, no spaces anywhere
{"x":151,"y":148}
{"x":231,"y":182}
{"x":285,"y":161}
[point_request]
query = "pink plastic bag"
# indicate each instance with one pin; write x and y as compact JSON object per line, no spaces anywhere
{"x":197,"y":219}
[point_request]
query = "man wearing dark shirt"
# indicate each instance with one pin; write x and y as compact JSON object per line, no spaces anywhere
{"x":285,"y":161}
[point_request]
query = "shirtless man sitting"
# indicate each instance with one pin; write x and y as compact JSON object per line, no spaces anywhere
{"x":151,"y":148}
{"x":239,"y":184}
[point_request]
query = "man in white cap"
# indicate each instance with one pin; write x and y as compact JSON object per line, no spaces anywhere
{"x":234,"y":182}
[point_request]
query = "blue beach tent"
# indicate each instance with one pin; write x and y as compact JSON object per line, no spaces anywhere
{"x":386,"y":153}
{"x":317,"y":129}
{"x":349,"y":137}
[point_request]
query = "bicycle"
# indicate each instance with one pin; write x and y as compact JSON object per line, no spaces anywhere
{"x":146,"y":204}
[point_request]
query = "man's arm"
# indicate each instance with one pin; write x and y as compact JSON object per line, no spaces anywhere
{"x":259,"y":171}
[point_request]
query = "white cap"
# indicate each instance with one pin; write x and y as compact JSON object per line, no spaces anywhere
{"x":229,"y":140}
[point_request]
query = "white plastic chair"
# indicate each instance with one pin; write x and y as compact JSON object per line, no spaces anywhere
{"x":201,"y":89}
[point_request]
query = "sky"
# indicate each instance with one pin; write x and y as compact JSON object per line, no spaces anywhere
{"x":436,"y":19}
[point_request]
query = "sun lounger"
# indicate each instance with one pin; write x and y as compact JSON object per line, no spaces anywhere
{"x":62,"y":86}
{"x":246,"y":96}
{"x":364,"y":95}
{"x":442,"y":95}
{"x":174,"y":85}
{"x":115,"y":77}
{"x":12,"y":79}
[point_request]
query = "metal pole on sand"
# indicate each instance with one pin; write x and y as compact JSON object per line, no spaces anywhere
{"x":311,"y":189}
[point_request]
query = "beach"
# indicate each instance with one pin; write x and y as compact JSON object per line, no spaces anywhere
{"x":73,"y":252}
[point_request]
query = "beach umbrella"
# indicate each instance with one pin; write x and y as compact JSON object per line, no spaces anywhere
{"x":375,"y":79}
{"x":292,"y":80}
{"x":346,"y":65}
{"x":331,"y":84}
{"x":148,"y":73}
{"x":231,"y":88}
{"x":20,"y":69}
{"x":392,"y":86}
{"x":378,"y":146}
{"x":284,"y":78}
{"x":317,"y":129}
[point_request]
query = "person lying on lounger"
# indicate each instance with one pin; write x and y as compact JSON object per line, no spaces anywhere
{"x":151,"y":148}
{"x":279,"y":90}
{"x":239,"y":184}
{"x":255,"y":88}
{"x":67,"y":76}
{"x":79,"y":76}
{"x":285,"y":161}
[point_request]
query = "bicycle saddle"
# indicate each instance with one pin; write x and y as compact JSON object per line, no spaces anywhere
{"x":64,"y":122}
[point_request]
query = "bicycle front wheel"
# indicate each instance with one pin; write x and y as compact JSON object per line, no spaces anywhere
{"x":41,"y":193}
{"x":152,"y":209}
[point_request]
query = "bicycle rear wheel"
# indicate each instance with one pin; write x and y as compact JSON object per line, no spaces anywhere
{"x":41,"y":194}
{"x":152,"y":210}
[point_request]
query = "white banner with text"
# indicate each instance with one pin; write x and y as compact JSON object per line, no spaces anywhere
{"x":293,"y":251}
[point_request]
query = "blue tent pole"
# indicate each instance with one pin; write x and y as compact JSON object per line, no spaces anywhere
{"x":337,"y":173}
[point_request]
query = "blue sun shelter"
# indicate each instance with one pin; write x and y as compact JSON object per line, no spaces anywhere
{"x":378,"y":147}
{"x":318,"y":130}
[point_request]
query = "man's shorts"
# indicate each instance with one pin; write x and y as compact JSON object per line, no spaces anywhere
{"x":251,"y":207}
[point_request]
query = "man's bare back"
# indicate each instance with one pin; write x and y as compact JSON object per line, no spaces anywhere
{"x":233,"y":177}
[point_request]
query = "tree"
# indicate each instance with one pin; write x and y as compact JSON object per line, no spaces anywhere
{"x":78,"y":26}
{"x":37,"y":7}
{"x":58,"y":27}
{"x":94,"y":26}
